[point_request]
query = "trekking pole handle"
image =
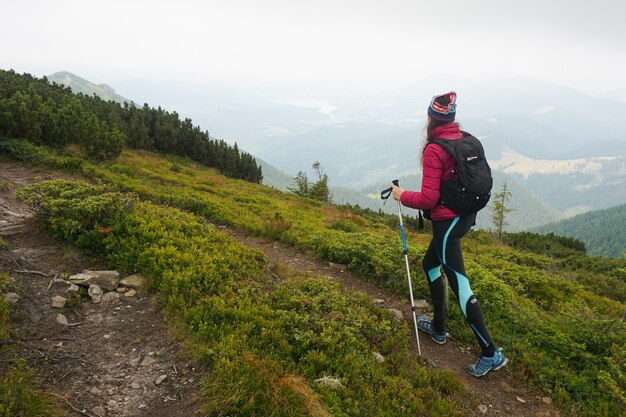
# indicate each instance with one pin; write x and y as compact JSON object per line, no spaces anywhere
{"x":387,"y":192}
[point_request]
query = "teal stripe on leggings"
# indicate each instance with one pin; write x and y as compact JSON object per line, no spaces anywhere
{"x":445,"y":238}
{"x":434,"y":273}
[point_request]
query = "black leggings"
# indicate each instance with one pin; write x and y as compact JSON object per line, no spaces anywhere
{"x":445,"y":250}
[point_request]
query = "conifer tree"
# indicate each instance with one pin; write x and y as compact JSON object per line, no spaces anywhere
{"x":500,"y":210}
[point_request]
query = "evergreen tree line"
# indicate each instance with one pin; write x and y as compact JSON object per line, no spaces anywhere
{"x":51,"y":115}
{"x":602,"y":231}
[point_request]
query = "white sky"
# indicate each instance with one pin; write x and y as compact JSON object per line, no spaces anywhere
{"x":579,"y":43}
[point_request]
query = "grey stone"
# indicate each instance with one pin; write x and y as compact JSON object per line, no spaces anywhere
{"x":73,"y":288}
{"x":421,"y":304}
{"x":148,"y":361}
{"x":397,"y":314}
{"x":121,"y":290}
{"x":130,"y":293}
{"x":133,"y":281}
{"x":339,"y":267}
{"x":61,"y":319}
{"x":58,"y":301}
{"x":161,"y":379}
{"x":379,"y":301}
{"x":95,"y":292}
{"x":58,"y":285}
{"x":483,"y":408}
{"x":107,"y":280}
{"x":111,"y":297}
{"x":11,"y":298}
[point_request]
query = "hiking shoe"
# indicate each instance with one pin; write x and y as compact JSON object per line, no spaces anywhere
{"x":426,"y":325}
{"x":486,"y":364}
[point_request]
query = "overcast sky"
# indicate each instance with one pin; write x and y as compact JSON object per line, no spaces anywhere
{"x":578,"y":43}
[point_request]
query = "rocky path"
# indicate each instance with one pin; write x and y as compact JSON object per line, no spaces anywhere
{"x":114,"y":358}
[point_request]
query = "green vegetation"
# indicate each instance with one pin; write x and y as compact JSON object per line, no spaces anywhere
{"x":18,"y":397}
{"x":602,"y":231}
{"x":556,"y":311}
{"x":317,"y":190}
{"x":266,"y":336}
{"x":45,"y":114}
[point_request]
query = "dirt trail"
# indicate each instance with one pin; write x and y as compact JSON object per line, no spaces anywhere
{"x":107,"y":360}
{"x":110,"y":356}
{"x":498,"y":393}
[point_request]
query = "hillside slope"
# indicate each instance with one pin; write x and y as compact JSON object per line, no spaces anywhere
{"x":602,"y":231}
{"x":535,"y":303}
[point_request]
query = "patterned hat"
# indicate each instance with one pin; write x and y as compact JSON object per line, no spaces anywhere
{"x":443,"y":112}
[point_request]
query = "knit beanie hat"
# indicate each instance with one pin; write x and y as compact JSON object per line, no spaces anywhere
{"x":443,"y":107}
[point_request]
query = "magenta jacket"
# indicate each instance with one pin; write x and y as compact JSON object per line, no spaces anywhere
{"x":437,"y":166}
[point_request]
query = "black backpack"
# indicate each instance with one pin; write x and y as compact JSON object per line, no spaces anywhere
{"x":469,"y":189}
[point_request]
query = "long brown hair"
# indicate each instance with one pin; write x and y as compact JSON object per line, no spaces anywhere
{"x":429,"y":130}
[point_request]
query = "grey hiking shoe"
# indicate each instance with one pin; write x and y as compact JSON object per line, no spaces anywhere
{"x":486,"y":364}
{"x":426,"y":325}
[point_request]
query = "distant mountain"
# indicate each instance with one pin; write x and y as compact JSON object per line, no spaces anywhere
{"x":602,"y":231}
{"x":570,"y":185}
{"x":80,"y":85}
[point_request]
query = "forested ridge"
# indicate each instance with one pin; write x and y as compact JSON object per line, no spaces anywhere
{"x":602,"y":231}
{"x":50,"y":114}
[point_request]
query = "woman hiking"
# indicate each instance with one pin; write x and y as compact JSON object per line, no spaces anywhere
{"x":448,"y":229}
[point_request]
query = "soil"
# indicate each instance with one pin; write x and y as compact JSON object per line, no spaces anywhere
{"x":107,"y":361}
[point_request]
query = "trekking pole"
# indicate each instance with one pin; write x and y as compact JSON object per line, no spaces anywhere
{"x":385,"y":195}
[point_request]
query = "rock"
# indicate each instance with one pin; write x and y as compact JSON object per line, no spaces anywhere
{"x":520,"y":399}
{"x":379,"y":301}
{"x":421,"y":304}
{"x":135,"y":385}
{"x":107,"y":280}
{"x":329,"y":382}
{"x":121,"y":290}
{"x":95,"y":292}
{"x":148,"y":361}
{"x":58,"y":285}
{"x":134,"y":361}
{"x":133,"y":281}
{"x":130,"y":293}
{"x":58,"y":301}
{"x":11,"y":298}
{"x":378,"y":357}
{"x":546,"y":400}
{"x":483,"y":408}
{"x":73,"y":288}
{"x":160,"y":379}
{"x":61,"y":319}
{"x":397,"y":314}
{"x":111,"y":297}
{"x":112,"y":404}
{"x":339,"y":267}
{"x":99,"y":410}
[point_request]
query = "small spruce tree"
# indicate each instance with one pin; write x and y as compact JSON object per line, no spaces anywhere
{"x":500,"y":210}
